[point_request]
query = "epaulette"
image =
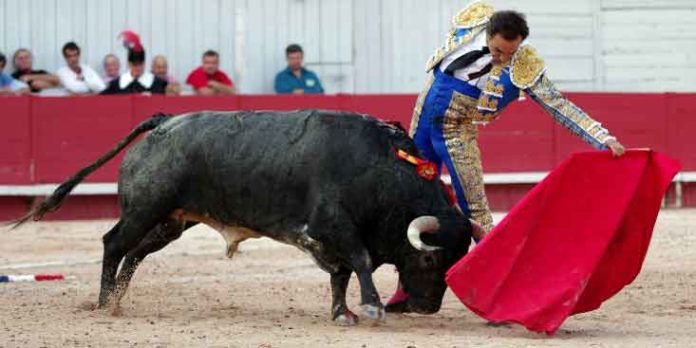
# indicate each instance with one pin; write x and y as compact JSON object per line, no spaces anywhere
{"x":526,"y":67}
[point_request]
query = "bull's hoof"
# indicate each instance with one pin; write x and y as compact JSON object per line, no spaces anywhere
{"x":373,"y":312}
{"x":88,"y":306}
{"x":346,"y":319}
{"x":115,"y":311}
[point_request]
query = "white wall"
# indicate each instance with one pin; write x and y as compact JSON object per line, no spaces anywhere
{"x":366,"y":46}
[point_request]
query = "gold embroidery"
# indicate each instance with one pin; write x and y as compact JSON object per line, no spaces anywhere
{"x":496,"y":71}
{"x":462,"y":147}
{"x":526,"y":67}
{"x":474,"y":14}
{"x":548,"y":95}
{"x":495,"y":89}
{"x":485,"y":101}
{"x":463,"y":109}
{"x":418,"y":109}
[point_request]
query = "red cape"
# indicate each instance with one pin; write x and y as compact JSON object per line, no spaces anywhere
{"x":575,"y":240}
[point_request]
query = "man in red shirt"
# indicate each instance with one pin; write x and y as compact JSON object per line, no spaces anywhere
{"x":208,"y":79}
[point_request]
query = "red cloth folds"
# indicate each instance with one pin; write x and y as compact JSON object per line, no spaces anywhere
{"x":574,"y":241}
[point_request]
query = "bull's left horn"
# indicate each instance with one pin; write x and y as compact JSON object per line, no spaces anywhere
{"x":423,"y":224}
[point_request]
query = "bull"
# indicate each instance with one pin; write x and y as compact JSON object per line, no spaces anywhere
{"x":328,"y":183}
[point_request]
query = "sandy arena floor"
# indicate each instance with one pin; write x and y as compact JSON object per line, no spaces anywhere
{"x":271,"y":295}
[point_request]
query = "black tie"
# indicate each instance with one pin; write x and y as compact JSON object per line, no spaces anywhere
{"x":481,"y":72}
{"x":468,"y":59}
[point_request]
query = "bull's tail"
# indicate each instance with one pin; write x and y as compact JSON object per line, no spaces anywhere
{"x":54,"y":201}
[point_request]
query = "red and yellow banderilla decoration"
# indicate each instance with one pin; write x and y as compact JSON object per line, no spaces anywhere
{"x":425,"y":169}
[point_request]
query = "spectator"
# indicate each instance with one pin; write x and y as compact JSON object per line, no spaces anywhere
{"x":295,"y":78}
{"x":160,"y":68}
{"x":37,"y":80}
{"x":136,"y":79}
{"x":75,"y":77}
{"x":208,"y":79}
{"x":9,"y":85}
{"x":112,"y":67}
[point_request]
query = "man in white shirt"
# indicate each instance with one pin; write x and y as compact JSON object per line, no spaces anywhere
{"x":78,"y":78}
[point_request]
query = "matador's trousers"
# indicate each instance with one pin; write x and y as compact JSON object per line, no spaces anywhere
{"x":444,"y":129}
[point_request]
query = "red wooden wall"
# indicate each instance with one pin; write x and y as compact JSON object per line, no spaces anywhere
{"x":45,"y":139}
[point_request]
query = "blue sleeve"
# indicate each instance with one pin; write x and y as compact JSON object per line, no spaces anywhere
{"x":282,"y":85}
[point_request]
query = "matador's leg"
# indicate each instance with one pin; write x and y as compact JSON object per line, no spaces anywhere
{"x":456,"y":141}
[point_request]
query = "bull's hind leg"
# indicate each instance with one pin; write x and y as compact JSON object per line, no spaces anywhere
{"x":159,"y":237}
{"x":126,"y":235}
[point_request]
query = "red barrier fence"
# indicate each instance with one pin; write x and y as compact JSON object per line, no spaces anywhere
{"x":46,"y":139}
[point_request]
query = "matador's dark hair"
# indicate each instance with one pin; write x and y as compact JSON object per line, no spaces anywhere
{"x":509,"y":24}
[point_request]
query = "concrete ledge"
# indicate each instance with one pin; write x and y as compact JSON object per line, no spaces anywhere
{"x":95,"y":189}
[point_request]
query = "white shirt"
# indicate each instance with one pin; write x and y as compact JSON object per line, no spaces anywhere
{"x":476,"y":43}
{"x":146,"y":79}
{"x":89,"y":82}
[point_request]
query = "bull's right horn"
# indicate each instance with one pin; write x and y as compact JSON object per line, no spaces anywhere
{"x":423,"y":224}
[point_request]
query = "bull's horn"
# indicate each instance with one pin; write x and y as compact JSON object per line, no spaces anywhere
{"x":423,"y":224}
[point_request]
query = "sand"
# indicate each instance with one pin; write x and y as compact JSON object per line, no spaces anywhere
{"x":272,"y":295}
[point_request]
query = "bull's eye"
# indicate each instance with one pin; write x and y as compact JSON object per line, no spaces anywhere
{"x":427,"y":261}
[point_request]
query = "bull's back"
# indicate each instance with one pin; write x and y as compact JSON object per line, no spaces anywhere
{"x":260,"y":166}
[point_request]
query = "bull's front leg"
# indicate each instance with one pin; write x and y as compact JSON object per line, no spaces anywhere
{"x":340,"y":313}
{"x":332,"y":226}
{"x":371,"y":305}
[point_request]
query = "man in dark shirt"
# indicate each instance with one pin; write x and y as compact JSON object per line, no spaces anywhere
{"x":37,"y":80}
{"x":136,"y":79}
{"x":295,"y":78}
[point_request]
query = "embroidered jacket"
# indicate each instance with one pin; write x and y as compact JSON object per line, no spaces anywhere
{"x":465,"y":56}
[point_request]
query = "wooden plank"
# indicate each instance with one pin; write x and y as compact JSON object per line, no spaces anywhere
{"x":560,"y":27}
{"x":253,"y":72}
{"x":571,"y":69}
{"x":226,"y":41}
{"x":544,"y":6}
{"x":177,"y":66}
{"x":641,"y":4}
{"x":118,"y":24}
{"x":97,"y":43}
{"x":273,"y":46}
{"x":186,"y":55}
{"x":649,"y":25}
{"x":368,"y":46}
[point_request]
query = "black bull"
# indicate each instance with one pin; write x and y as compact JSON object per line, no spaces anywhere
{"x":328,"y":183}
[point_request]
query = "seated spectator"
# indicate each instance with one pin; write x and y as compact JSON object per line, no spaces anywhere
{"x":295,"y":78}
{"x":112,"y":67}
{"x":75,"y":77}
{"x":9,"y":85}
{"x":37,"y":80}
{"x":136,"y":79}
{"x":160,"y":68}
{"x":208,"y":79}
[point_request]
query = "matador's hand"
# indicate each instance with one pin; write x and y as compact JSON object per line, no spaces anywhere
{"x":616,"y":148}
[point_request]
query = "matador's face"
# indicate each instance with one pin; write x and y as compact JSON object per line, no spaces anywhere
{"x":502,"y":49}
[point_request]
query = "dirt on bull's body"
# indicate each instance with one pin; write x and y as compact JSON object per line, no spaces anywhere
{"x":271,"y":295}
